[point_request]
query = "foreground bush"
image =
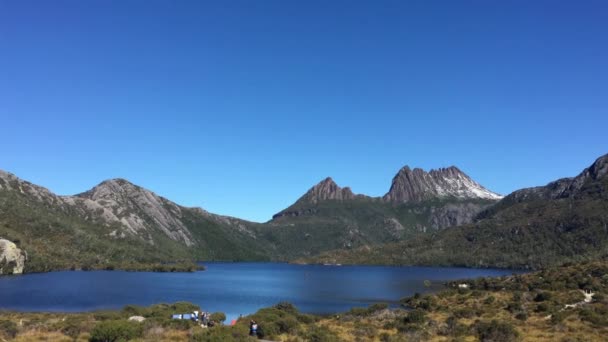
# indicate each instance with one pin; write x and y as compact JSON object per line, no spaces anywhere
{"x":8,"y":329}
{"x":116,"y":331}
{"x":495,"y":331}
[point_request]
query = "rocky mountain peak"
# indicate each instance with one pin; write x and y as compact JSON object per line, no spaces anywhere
{"x":327,"y":189}
{"x":418,"y":185}
{"x":112,"y":189}
{"x":139,"y":209}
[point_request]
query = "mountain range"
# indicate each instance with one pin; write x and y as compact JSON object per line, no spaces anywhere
{"x":425,"y":218}
{"x":563,"y":221}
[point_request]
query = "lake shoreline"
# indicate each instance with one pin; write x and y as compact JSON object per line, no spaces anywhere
{"x":178,"y":267}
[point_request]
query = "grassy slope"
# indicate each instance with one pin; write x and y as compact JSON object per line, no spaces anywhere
{"x":350,"y":224}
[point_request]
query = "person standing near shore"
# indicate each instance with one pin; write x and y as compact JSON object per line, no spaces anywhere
{"x":253,"y":328}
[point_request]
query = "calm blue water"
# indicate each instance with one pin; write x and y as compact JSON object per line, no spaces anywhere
{"x":233,"y":288}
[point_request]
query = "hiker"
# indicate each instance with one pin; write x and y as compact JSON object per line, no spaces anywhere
{"x":253,"y":328}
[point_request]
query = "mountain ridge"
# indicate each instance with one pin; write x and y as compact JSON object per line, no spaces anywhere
{"x":565,"y":220}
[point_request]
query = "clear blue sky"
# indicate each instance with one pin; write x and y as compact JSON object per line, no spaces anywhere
{"x":241,"y":106}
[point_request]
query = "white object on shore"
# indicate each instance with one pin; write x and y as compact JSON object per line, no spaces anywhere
{"x":137,"y":318}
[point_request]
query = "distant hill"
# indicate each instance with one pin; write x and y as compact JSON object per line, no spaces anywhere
{"x":114,"y":223}
{"x":566,"y":220}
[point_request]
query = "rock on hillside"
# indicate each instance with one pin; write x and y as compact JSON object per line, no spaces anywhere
{"x":12,"y":259}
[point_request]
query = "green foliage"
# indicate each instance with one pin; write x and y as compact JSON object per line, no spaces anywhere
{"x":219,"y":317}
{"x":319,"y":334}
{"x":324,"y":226}
{"x":465,"y":313}
{"x":222,"y":334}
{"x":8,"y":329}
{"x":454,"y":328}
{"x":426,"y":302}
{"x":364,"y":312}
{"x":415,"y":317}
{"x":596,"y":315}
{"x":116,"y":331}
{"x":522,"y":316}
{"x":496,"y":331}
{"x":542,"y":296}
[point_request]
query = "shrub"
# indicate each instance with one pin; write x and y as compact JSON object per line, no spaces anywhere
{"x":221,"y":334}
{"x":454,"y":328}
{"x":8,"y":329}
{"x":559,"y":317}
{"x":287,"y":307}
{"x":219,"y":317}
{"x":522,"y":316}
{"x":306,"y":319}
{"x":543,"y":296}
{"x":496,"y":331}
{"x":73,"y":326}
{"x":415,"y":317}
{"x":377,"y":307}
{"x":355,"y":311}
{"x":116,"y":331}
{"x":320,"y":334}
{"x":542,"y":307}
{"x":489,"y":300}
{"x":464,"y":313}
{"x":514,"y":307}
{"x":287,"y":325}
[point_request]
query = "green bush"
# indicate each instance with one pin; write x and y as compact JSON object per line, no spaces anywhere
{"x":219,"y":317}
{"x":222,"y":334}
{"x":287,"y":307}
{"x":377,"y":307}
{"x":356,"y":311}
{"x":454,"y":328}
{"x":8,"y":329}
{"x":489,"y":300}
{"x":543,"y":296}
{"x":116,"y":331}
{"x":306,"y":319}
{"x":73,"y":326}
{"x":514,"y":307}
{"x":496,"y":331}
{"x":320,"y":334}
{"x":287,"y":325}
{"x":415,"y":317}
{"x":464,"y":313}
{"x":522,"y":316}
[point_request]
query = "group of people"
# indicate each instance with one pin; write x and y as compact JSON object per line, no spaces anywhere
{"x":205,"y":320}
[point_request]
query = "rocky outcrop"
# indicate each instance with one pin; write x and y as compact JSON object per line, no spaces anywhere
{"x":418,"y":185}
{"x":454,"y":214}
{"x":12,"y":259}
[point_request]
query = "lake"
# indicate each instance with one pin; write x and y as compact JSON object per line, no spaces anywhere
{"x":233,"y":288}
